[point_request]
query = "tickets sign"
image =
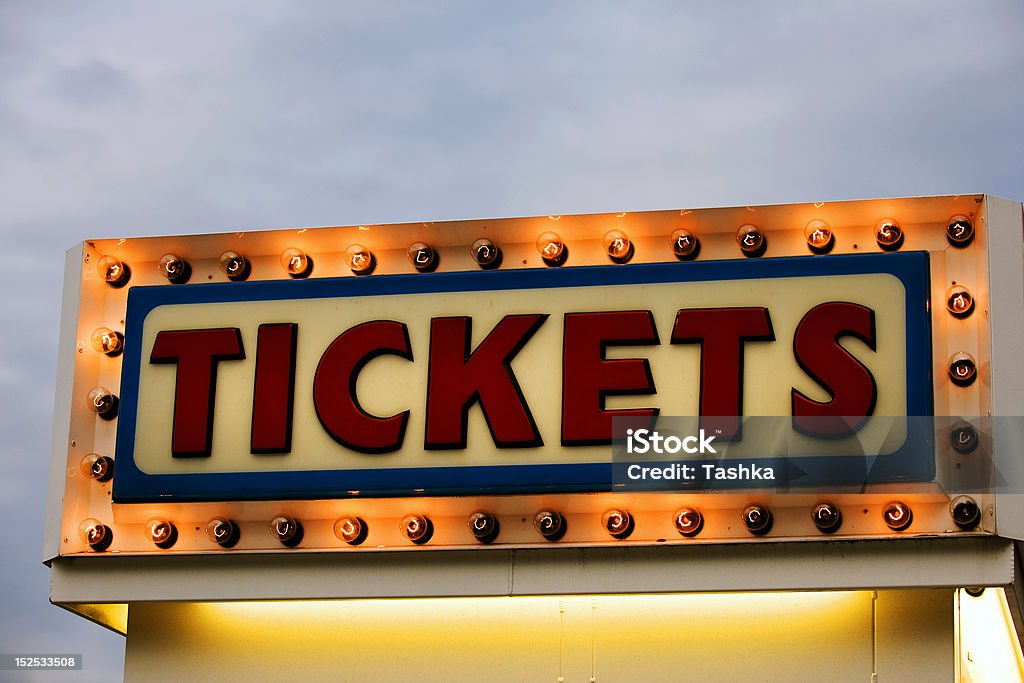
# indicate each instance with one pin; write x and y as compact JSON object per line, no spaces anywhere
{"x":503,"y":381}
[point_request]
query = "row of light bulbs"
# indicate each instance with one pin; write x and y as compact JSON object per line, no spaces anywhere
{"x":549,"y":524}
{"x":685,"y":245}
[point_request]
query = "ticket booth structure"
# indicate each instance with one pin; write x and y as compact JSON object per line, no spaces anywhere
{"x":773,"y":443}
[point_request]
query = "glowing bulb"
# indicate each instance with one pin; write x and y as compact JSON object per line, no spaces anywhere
{"x":106,"y":341}
{"x":888,"y":234}
{"x":360,"y":260}
{"x":174,"y":268}
{"x":959,"y":301}
{"x":352,"y":530}
{"x":827,"y":518}
{"x":959,"y":230}
{"x":551,"y":248}
{"x":617,"y":245}
{"x":113,"y":271}
{"x":296,"y":263}
{"x":618,"y":523}
{"x":685,"y":244}
{"x":550,"y":524}
{"x":234,"y":265}
{"x":94,"y":534}
{"x":162,"y":533}
{"x":898,"y":516}
{"x":485,"y":253}
{"x":965,"y":512}
{"x":103,"y":403}
{"x":484,"y":526}
{"x":287,"y":530}
{"x":223,"y":532}
{"x":422,"y":256}
{"x":751,"y":240}
{"x":96,"y":466}
{"x":417,"y":528}
{"x":962,"y":368}
{"x":688,"y":522}
{"x":819,"y":236}
{"x":758,"y":519}
{"x":963,"y":437}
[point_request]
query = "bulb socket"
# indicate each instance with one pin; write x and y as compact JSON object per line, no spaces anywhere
{"x":352,"y":530}
{"x":484,"y":526}
{"x":827,"y":517}
{"x":898,"y":516}
{"x":550,"y":524}
{"x":757,"y":519}
{"x":417,"y":528}
{"x":688,"y":522}
{"x":224,"y":532}
{"x":618,"y":523}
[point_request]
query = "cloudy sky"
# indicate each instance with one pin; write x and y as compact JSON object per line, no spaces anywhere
{"x":125,"y":119}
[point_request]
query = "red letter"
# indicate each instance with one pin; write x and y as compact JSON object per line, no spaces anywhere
{"x":721,"y":332}
{"x":587,"y":378}
{"x":273,"y":389}
{"x":847,"y":381}
{"x":334,"y":387}
{"x":457,"y":379}
{"x":196,"y":353}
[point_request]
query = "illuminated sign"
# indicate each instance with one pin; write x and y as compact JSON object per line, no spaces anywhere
{"x":503,"y":381}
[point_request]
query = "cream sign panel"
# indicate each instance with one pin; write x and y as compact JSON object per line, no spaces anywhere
{"x":504,"y":382}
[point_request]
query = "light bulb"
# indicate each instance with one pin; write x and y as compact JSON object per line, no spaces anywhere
{"x":96,"y":466}
{"x":485,"y":253}
{"x":751,"y":240}
{"x":552,"y":248}
{"x":888,"y":234}
{"x":287,"y":530}
{"x":234,"y":265}
{"x":352,"y":530}
{"x":360,"y":260}
{"x":897,"y":515}
{"x":617,"y":245}
{"x":618,"y":523}
{"x":688,"y":522}
{"x":758,"y":519}
{"x":484,"y":526}
{"x":95,"y":534}
{"x":417,"y":528}
{"x":102,"y":402}
{"x":113,"y":271}
{"x":685,"y":244}
{"x":827,"y":518}
{"x":223,"y":532}
{"x":962,"y":368}
{"x":550,"y":524}
{"x":963,"y":437}
{"x":174,"y":268}
{"x":162,"y":533}
{"x":959,"y":230}
{"x":959,"y":301}
{"x":819,"y":236}
{"x":106,"y":341}
{"x":422,"y":257}
{"x":296,"y":263}
{"x":965,"y":512}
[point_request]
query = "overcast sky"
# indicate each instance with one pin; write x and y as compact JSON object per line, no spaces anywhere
{"x":125,"y":119}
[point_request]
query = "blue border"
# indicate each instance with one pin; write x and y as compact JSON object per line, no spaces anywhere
{"x":914,"y":462}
